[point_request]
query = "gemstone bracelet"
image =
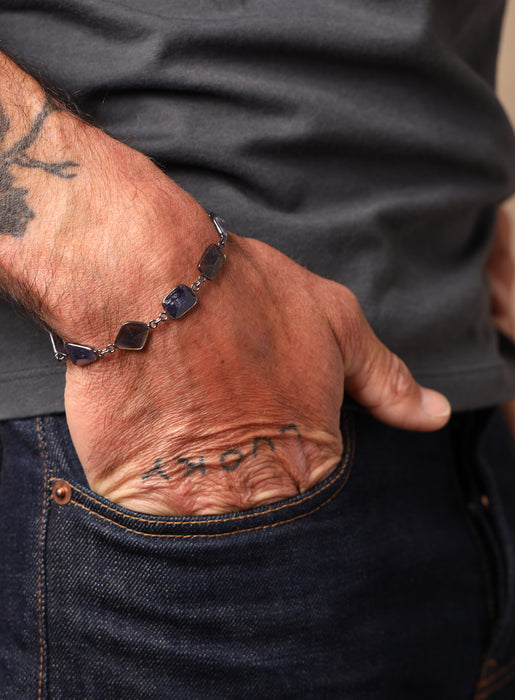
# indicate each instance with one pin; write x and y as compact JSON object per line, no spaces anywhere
{"x":134,"y":334}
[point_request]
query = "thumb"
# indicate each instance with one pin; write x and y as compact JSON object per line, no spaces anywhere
{"x":380,"y":381}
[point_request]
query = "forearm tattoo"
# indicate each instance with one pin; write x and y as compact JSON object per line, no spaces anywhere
{"x":229,"y":460}
{"x":15,"y":212}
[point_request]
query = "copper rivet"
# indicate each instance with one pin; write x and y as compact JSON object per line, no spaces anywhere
{"x":61,"y":492}
{"x":485,"y":501}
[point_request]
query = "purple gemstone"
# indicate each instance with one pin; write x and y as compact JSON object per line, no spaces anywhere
{"x":80,"y":354}
{"x":212,"y":261}
{"x":180,"y":300}
{"x":132,"y":336}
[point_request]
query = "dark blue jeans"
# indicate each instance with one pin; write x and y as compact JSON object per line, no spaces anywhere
{"x":391,"y":580}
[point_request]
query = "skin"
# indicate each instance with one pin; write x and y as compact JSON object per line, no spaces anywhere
{"x":501,"y":274}
{"x":233,"y":406}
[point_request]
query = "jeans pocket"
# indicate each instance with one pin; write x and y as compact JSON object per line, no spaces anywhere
{"x":146,"y":606}
{"x":66,"y":476}
{"x":363,"y":587}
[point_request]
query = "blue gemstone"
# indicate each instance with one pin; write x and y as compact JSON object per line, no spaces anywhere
{"x":80,"y":354}
{"x":179,"y":301}
{"x":132,"y":336}
{"x":212,"y":261}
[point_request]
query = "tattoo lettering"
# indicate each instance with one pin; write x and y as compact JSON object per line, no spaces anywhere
{"x":231,"y":467}
{"x":293,"y":427}
{"x":156,"y":470}
{"x":15,"y":212}
{"x":256,"y":442}
{"x":192,"y":467}
{"x":225,"y":461}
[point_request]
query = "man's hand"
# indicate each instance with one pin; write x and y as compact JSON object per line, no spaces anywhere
{"x":238,"y":404}
{"x":235,"y":405}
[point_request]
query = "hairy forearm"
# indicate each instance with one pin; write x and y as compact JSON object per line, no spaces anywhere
{"x":24,"y":112}
{"x":78,"y":215}
{"x":42,"y":149}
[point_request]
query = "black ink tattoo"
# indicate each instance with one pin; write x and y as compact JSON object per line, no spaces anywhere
{"x":231,"y":467}
{"x":293,"y":427}
{"x":192,"y":467}
{"x":156,"y":470}
{"x":233,"y":464}
{"x":15,"y":212}
{"x":258,"y":440}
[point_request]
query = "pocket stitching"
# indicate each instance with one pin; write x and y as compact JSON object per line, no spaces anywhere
{"x":498,"y":673}
{"x":486,"y":692}
{"x":216,"y":534}
{"x":344,"y":471}
{"x":43,"y":447}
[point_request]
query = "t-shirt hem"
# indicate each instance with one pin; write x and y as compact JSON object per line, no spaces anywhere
{"x":31,"y":393}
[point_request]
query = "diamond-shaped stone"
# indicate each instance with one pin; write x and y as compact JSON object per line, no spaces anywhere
{"x":80,"y":354}
{"x":132,"y":336}
{"x":179,"y":301}
{"x":212,"y":261}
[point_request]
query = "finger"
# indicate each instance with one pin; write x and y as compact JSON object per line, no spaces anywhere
{"x":379,"y":380}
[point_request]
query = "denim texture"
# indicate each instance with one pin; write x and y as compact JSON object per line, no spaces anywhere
{"x":393,"y":579}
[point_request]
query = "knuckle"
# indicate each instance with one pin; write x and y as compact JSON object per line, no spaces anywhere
{"x":400,"y":381}
{"x":354,"y":324}
{"x":351,"y":305}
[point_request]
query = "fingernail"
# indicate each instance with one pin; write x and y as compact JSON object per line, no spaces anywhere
{"x":435,"y":404}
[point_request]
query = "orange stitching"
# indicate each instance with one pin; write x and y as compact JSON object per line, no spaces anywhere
{"x":483,"y":676}
{"x":226,"y":534}
{"x":218,"y":534}
{"x":339,"y":473}
{"x":486,"y":693}
{"x":40,"y":556}
{"x":499,"y":672}
{"x":210,"y":519}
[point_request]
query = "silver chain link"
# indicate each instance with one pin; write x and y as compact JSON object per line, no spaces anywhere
{"x":110,"y":348}
{"x":163,"y":316}
{"x":196,"y":285}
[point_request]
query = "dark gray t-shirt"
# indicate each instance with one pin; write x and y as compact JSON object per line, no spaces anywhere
{"x":363,"y":138}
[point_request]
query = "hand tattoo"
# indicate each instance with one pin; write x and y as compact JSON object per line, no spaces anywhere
{"x":155,"y":470}
{"x":293,"y":427}
{"x":15,"y":212}
{"x":237,"y":462}
{"x":227,"y":464}
{"x":192,"y":467}
{"x":262,"y":438}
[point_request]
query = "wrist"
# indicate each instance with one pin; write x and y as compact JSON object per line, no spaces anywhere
{"x":180,"y":300}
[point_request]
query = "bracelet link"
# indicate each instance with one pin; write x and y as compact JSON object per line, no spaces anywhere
{"x":133,"y":335}
{"x":200,"y":281}
{"x":163,"y":316}
{"x":107,"y":350}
